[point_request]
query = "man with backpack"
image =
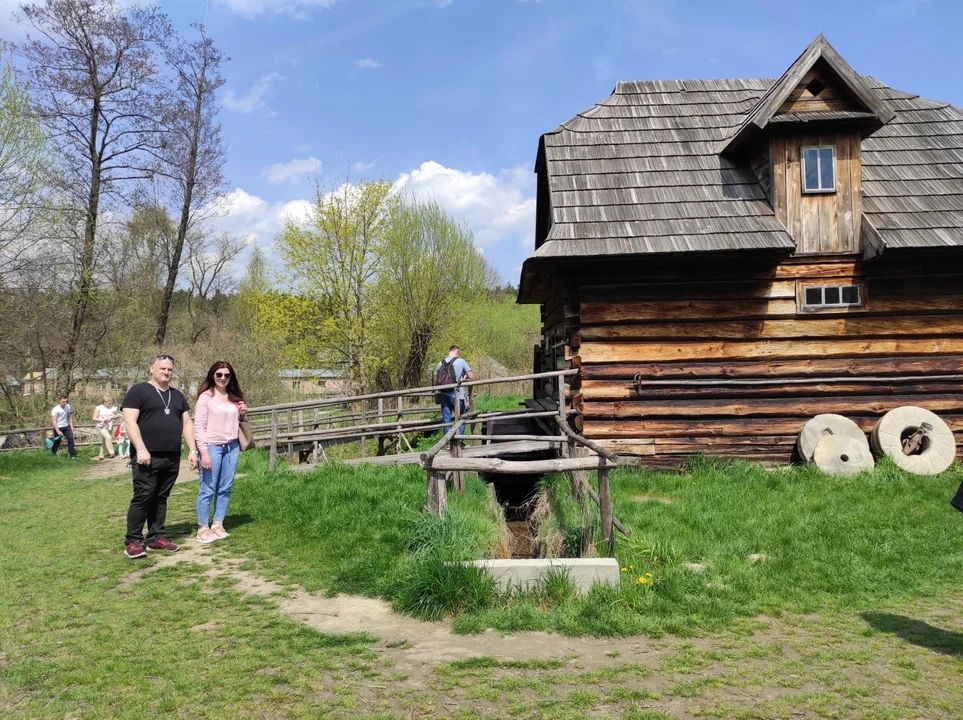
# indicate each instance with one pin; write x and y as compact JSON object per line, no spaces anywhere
{"x":449,"y":371}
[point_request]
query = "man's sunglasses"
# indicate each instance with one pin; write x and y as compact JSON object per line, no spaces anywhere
{"x":163,"y":357}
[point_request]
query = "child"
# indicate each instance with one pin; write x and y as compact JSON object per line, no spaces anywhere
{"x":48,"y":442}
{"x":123,"y":442}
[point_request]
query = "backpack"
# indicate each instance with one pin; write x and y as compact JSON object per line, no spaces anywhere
{"x":445,"y":375}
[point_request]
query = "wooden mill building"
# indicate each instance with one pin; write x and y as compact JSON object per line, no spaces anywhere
{"x":724,"y":259}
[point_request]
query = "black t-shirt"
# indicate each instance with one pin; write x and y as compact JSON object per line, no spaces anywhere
{"x":161,"y":430}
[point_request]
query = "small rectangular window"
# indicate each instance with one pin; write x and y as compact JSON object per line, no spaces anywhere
{"x":819,"y":169}
{"x":829,"y":296}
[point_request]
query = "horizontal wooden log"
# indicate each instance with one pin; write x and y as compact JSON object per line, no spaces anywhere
{"x":602,"y":390}
{"x":682,"y":350}
{"x":606,"y":429}
{"x":813,"y":326}
{"x":767,"y":407}
{"x":852,"y":367}
{"x":661,"y":311}
{"x":516,"y":467}
{"x":701,"y":290}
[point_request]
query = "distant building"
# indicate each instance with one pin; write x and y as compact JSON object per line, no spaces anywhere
{"x":315,"y":381}
{"x":90,"y":385}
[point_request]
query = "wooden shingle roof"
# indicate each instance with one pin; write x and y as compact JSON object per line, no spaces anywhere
{"x":641,"y":173}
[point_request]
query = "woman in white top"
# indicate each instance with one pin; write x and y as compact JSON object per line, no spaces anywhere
{"x":104,"y":416}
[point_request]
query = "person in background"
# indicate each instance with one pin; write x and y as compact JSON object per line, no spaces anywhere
{"x":156,"y":415}
{"x":103,"y":417}
{"x":123,"y":441}
{"x":452,"y":369}
{"x":219,"y":410}
{"x":63,"y":426}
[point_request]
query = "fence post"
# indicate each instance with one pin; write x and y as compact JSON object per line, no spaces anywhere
{"x":605,"y":510}
{"x":401,"y":435}
{"x":459,"y":475}
{"x":364,"y":438}
{"x":290,"y":441}
{"x":273,"y":459}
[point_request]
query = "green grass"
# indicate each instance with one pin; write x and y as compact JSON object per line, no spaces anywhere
{"x":78,"y":638}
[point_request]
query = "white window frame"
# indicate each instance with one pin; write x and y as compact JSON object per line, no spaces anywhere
{"x":819,"y":175}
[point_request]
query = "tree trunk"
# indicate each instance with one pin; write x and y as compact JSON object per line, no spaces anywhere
{"x":417,"y":352}
{"x":190,"y":178}
{"x":69,"y":359}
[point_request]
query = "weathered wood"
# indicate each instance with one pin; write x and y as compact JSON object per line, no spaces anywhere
{"x":735,"y":349}
{"x":273,"y":456}
{"x":848,"y":237}
{"x":770,"y":368}
{"x":599,"y":429}
{"x":764,"y":407}
{"x":815,"y":326}
{"x":602,"y":390}
{"x":290,"y":420}
{"x":514,"y":467}
{"x":605,"y":510}
{"x":681,"y":290}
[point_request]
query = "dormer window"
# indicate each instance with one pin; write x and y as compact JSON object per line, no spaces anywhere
{"x":819,"y":169}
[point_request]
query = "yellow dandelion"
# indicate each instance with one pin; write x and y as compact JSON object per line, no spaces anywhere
{"x":631,"y":567}
{"x":623,"y":569}
{"x":648,"y":575}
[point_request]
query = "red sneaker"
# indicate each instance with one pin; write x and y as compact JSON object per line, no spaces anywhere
{"x":135,"y":550}
{"x":163,"y":544}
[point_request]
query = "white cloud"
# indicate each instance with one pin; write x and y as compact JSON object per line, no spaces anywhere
{"x":254,"y":99}
{"x":292,"y":170}
{"x":361,"y":167}
{"x":257,"y":221}
{"x":367,"y":64}
{"x":297,"y":8}
{"x":496,"y":208}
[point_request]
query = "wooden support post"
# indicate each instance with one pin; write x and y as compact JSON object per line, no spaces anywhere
{"x":471,"y":410}
{"x":605,"y":509}
{"x":401,"y":435}
{"x":459,"y":476}
{"x":273,"y":458}
{"x":381,"y":419}
{"x":315,"y":454}
{"x":560,"y":387}
{"x":290,"y":431}
{"x":441,"y":494}
{"x":364,"y":421}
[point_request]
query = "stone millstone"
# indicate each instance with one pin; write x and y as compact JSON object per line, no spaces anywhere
{"x":820,"y":426}
{"x":837,"y":455}
{"x":936,"y":452}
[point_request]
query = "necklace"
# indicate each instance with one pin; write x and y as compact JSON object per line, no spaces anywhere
{"x":167,"y":404}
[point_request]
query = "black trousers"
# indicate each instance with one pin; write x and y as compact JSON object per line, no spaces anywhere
{"x":67,"y":433}
{"x":152,"y":486}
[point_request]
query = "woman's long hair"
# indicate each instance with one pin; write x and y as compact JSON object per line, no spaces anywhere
{"x":234,"y":393}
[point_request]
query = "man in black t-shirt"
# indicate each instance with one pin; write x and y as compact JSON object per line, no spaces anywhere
{"x":156,"y":416}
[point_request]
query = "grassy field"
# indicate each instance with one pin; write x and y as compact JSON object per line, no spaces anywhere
{"x":853,"y":612}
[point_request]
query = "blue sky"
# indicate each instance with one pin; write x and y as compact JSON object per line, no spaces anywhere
{"x":450,"y":96}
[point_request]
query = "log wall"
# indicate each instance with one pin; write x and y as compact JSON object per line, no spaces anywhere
{"x":729,"y":366}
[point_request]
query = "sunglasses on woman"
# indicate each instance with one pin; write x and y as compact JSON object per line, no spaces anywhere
{"x":222,"y":375}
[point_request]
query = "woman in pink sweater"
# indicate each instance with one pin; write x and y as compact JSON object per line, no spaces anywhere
{"x":220,"y":408}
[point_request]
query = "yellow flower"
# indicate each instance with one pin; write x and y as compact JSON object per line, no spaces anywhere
{"x":623,"y":569}
{"x":631,"y":567}
{"x":642,"y":580}
{"x":648,"y":575}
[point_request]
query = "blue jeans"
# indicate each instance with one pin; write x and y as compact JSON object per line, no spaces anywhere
{"x":448,"y":412}
{"x":66,"y":433}
{"x":216,"y":483}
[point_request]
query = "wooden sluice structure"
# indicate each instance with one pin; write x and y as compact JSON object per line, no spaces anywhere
{"x":476,"y":442}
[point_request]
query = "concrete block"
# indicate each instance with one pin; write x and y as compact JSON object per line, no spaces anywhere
{"x":583,"y":572}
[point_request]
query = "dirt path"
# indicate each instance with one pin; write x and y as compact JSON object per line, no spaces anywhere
{"x":413,"y":640}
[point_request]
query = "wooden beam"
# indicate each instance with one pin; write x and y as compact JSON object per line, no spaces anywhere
{"x":519,"y":467}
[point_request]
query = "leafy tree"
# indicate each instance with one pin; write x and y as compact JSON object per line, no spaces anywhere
{"x":333,"y":259}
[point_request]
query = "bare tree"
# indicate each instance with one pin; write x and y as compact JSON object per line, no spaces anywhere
{"x":209,"y":278}
{"x":193,"y":154}
{"x":96,"y":91}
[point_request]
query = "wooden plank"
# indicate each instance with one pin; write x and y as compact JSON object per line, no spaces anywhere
{"x":777,"y":154}
{"x":810,"y":241}
{"x":793,"y":193}
{"x":520,"y":467}
{"x":856,"y":177}
{"x":844,"y":194}
{"x":851,"y":367}
{"x":708,"y":290}
{"x":681,"y":350}
{"x":273,"y":456}
{"x":765,"y":407}
{"x":600,"y":430}
{"x":605,"y":510}
{"x":600,"y":390}
{"x":814,"y":326}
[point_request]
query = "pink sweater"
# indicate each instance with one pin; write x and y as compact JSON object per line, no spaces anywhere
{"x":215,"y":422}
